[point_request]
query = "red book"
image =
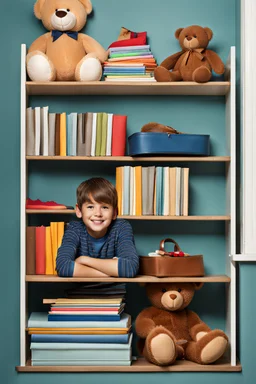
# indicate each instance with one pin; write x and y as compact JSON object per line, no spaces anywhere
{"x":139,"y":38}
{"x":119,"y":135}
{"x":40,"y":250}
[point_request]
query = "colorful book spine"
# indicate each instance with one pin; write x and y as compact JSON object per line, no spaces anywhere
{"x":119,"y":135}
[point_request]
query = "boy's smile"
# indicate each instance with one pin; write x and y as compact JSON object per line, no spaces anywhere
{"x":97,"y":217}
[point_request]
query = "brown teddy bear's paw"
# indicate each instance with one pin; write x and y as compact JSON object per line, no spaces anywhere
{"x":162,"y":74}
{"x":214,"y":349}
{"x":160,"y":347}
{"x":201,"y":75}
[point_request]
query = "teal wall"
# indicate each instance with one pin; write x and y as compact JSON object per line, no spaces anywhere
{"x":207,"y":183}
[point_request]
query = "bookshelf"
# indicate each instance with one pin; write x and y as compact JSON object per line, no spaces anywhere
{"x":227,"y":89}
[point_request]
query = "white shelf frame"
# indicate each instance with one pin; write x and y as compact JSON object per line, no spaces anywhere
{"x":231,"y":204}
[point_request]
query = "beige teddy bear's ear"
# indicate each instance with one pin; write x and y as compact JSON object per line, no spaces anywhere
{"x":88,"y":5}
{"x":178,"y":31}
{"x":209,"y":33}
{"x":37,"y":8}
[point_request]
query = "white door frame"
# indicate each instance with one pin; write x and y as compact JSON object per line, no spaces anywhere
{"x":248,"y":132}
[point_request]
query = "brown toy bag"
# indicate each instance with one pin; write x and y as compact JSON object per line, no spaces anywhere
{"x":165,"y":265}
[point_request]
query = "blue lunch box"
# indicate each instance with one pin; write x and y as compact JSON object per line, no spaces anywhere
{"x":159,"y":143}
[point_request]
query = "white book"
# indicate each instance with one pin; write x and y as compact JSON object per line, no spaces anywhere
{"x":166,"y":185}
{"x":132,"y":196}
{"x":178,"y":190}
{"x":51,"y":134}
{"x":109,"y":135}
{"x":126,"y":190}
{"x":94,"y":127}
{"x":44,"y":131}
{"x":139,"y":79}
{"x":73,"y":133}
{"x":37,"y":130}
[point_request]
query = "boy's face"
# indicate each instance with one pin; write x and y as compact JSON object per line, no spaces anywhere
{"x":97,"y":217}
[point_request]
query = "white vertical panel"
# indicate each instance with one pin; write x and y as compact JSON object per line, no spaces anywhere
{"x":248,"y":103}
{"x":231,"y":202}
{"x":23,"y":171}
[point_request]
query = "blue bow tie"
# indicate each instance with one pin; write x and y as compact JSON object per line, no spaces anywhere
{"x":57,"y":34}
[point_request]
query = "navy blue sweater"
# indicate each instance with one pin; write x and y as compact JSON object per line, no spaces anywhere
{"x":119,"y":243}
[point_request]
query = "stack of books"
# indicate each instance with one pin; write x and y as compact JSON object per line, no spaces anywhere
{"x":152,"y":190}
{"x":91,"y":330}
{"x":42,"y":247}
{"x":130,"y":63}
{"x":74,"y":134}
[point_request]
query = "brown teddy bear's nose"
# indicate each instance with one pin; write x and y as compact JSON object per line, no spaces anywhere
{"x":61,"y":13}
{"x":189,"y":38}
{"x":172,"y":296}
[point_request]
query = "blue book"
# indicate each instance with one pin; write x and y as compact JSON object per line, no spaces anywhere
{"x":40,"y":320}
{"x":83,"y":317}
{"x":69,"y":362}
{"x":51,"y":338}
{"x":81,"y":351}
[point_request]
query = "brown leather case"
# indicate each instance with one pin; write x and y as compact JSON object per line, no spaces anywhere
{"x":166,"y":266}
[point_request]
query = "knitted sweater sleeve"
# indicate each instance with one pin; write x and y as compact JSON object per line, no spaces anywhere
{"x":66,"y":255}
{"x":128,"y":259}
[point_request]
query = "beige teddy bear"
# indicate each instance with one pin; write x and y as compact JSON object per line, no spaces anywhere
{"x":63,"y":54}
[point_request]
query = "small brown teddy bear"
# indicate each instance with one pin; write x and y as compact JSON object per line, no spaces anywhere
{"x":194,"y":62}
{"x":64,"y":54}
{"x":169,"y":331}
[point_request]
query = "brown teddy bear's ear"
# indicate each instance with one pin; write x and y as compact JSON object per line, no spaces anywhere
{"x":177,"y":33}
{"x":37,"y":8}
{"x":88,"y":5}
{"x":209,"y":33}
{"x":198,"y":286}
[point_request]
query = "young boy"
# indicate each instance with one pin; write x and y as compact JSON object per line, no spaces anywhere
{"x":98,"y":245}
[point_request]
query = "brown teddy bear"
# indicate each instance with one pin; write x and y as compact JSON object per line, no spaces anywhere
{"x":64,"y":54}
{"x":169,"y":331}
{"x":194,"y":62}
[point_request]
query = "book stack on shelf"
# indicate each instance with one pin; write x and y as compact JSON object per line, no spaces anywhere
{"x":42,"y":247}
{"x":130,"y":63}
{"x":74,"y":134}
{"x":90,"y":330}
{"x":152,"y":190}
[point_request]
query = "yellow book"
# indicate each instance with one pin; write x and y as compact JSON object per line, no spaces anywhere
{"x":138,"y":188}
{"x":119,"y":189}
{"x":48,"y":252}
{"x":54,"y":241}
{"x":60,"y":232}
{"x":63,"y":135}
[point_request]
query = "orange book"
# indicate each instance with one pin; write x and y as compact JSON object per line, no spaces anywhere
{"x":63,"y":135}
{"x":48,"y":252}
{"x":138,"y":189}
{"x":118,"y":135}
{"x":54,"y":243}
{"x":119,"y":184}
{"x":40,"y":250}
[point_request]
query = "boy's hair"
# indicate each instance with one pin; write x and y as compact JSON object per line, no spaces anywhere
{"x":101,"y":190}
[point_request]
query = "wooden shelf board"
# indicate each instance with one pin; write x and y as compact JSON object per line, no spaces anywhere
{"x":214,"y":88}
{"x":212,"y":159}
{"x":140,"y":365}
{"x":182,"y":218}
{"x":137,"y":279}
